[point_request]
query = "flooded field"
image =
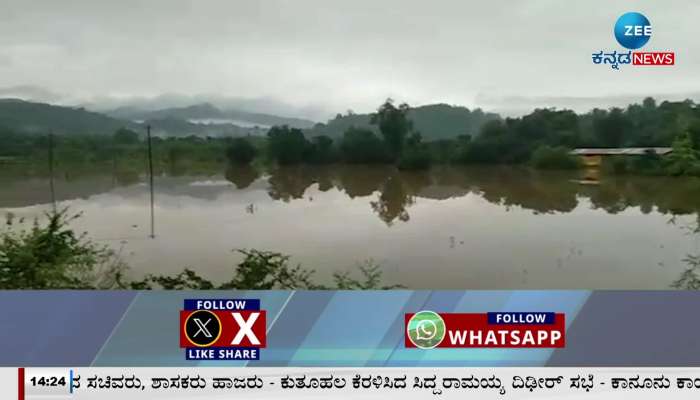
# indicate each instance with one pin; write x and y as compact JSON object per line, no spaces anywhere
{"x":473,"y":228}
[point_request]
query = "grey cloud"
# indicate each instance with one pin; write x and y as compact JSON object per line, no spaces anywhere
{"x":315,"y":58}
{"x":29,"y":92}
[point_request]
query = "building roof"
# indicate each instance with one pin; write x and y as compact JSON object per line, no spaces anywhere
{"x":626,"y":151}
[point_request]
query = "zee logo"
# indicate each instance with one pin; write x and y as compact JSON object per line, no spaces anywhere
{"x":637,"y":30}
{"x":632,"y":30}
{"x":222,"y":329}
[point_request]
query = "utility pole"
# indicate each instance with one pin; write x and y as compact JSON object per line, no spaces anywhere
{"x":150,"y":175}
{"x":51,"y":178}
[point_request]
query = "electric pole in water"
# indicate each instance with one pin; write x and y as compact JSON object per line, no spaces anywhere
{"x":150,"y":175}
{"x":51,"y":182}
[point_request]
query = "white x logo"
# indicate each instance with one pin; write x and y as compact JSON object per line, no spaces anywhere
{"x":202,"y":328}
{"x":246,"y":328}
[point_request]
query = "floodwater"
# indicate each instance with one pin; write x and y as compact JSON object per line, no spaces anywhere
{"x":461,"y":228}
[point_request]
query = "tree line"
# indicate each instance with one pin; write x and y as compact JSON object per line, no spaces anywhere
{"x":542,"y":138}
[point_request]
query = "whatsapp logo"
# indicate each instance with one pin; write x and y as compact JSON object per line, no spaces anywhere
{"x":426,"y":329}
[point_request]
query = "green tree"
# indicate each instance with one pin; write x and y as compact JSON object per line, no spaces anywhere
{"x":490,"y":146}
{"x":694,"y":132}
{"x":612,"y":128}
{"x":684,"y":160}
{"x":241,"y":152}
{"x":393,"y":124}
{"x":287,"y":145}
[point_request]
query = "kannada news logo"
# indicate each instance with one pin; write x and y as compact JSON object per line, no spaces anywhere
{"x":222,"y":329}
{"x":428,"y":330}
{"x":633,"y":31}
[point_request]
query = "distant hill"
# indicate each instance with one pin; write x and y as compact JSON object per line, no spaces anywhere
{"x":25,"y":116}
{"x":30,"y":117}
{"x":438,"y":121}
{"x":179,"y":127}
{"x":435,"y":121}
{"x":208,"y":113}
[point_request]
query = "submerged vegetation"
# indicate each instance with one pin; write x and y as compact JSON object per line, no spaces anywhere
{"x":53,"y":256}
{"x":264,"y":270}
{"x":690,"y":278}
{"x":542,"y":139}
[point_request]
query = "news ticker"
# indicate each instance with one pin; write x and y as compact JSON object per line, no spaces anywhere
{"x":348,"y":383}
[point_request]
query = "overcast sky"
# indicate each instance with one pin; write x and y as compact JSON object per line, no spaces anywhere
{"x":321,"y":57}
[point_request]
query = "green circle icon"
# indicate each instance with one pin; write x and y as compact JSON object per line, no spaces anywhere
{"x":426,"y":329}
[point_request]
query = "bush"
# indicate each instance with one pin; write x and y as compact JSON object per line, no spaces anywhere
{"x":685,"y":159}
{"x":259,"y":270}
{"x":546,"y":157}
{"x":241,"y":152}
{"x":266,"y":270}
{"x":52,"y":256}
{"x":690,"y":278}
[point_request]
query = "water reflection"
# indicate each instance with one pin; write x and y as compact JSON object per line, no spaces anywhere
{"x":479,"y":227}
{"x":391,"y":192}
{"x":395,"y":191}
{"x":242,"y":176}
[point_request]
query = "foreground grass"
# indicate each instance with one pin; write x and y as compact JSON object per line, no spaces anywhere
{"x":50,"y":255}
{"x":53,"y":256}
